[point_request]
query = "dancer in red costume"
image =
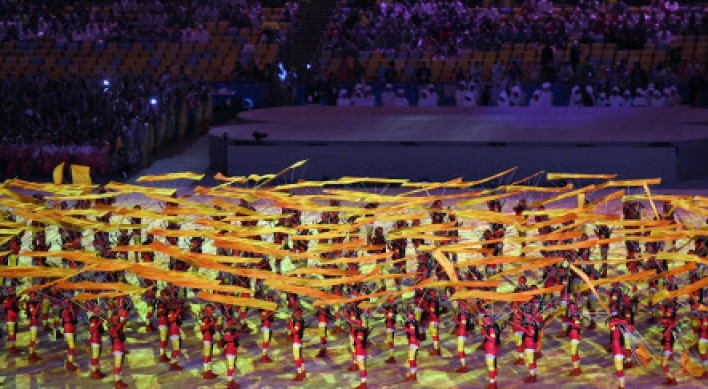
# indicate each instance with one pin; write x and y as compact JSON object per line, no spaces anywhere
{"x":492,"y":335}
{"x":361,"y":336}
{"x":267,"y":330}
{"x":12,"y":314}
{"x":322,"y":320}
{"x":617,"y":327}
{"x":411,"y":327}
{"x":117,"y":334}
{"x":669,"y":322}
{"x":34,"y":310}
{"x":530,"y":330}
{"x":163,"y":324}
{"x":463,"y":325}
{"x":69,"y":320}
{"x":298,"y":326}
{"x":207,"y":328}
{"x":231,"y":341}
{"x":174,"y":317}
{"x":702,"y":321}
{"x":95,"y":331}
{"x":390,"y":314}
{"x":433,"y":309}
{"x":574,"y":327}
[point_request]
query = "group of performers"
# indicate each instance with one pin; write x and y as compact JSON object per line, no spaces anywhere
{"x":55,"y":310}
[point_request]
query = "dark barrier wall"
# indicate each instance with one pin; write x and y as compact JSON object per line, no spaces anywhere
{"x":443,"y":161}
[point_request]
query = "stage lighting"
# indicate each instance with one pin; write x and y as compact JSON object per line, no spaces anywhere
{"x":106,"y":82}
{"x":259,"y":136}
{"x":153,"y":101}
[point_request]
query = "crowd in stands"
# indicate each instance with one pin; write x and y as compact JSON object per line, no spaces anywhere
{"x":446,"y":27}
{"x":44,"y":123}
{"x":131,"y":20}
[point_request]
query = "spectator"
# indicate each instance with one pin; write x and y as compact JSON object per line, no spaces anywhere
{"x":575,"y":56}
{"x":390,"y":74}
{"x":400,"y":100}
{"x":547,"y":62}
{"x":387,"y":96}
{"x":423,"y":74}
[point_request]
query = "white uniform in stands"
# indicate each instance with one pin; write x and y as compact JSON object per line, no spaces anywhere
{"x":537,"y":100}
{"x":357,"y":96}
{"x":675,"y":96}
{"x":576,"y":98}
{"x":517,"y":98}
{"x":615,"y":98}
{"x":369,"y":99}
{"x":503,"y":100}
{"x":432,"y":94}
{"x":471,"y":98}
{"x":401,"y":100}
{"x":388,"y":97}
{"x":426,"y":101}
{"x":460,"y":94}
{"x":547,"y":95}
{"x":343,"y":100}
{"x":603,"y":101}
{"x":640,"y":99}
{"x":627,"y":99}
{"x":659,"y":100}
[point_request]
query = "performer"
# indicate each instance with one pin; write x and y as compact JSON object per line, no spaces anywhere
{"x":433,"y":307}
{"x":12,"y":312}
{"x":530,"y":336}
{"x":266,"y":329}
{"x":492,"y":335}
{"x":390,"y":314}
{"x":574,"y":327}
{"x":34,"y":308}
{"x":298,"y":335}
{"x":411,"y":327}
{"x":117,"y":334}
{"x":231,"y":340}
{"x":69,"y":321}
{"x":174,"y":316}
{"x":163,"y":324}
{"x":617,"y":338}
{"x":702,"y":320}
{"x":95,"y":331}
{"x":463,"y":325}
{"x":361,"y":336}
{"x":322,"y":319}
{"x":668,"y":321}
{"x":207,"y":329}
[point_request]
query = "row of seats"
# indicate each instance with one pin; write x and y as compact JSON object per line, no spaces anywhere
{"x":443,"y":70}
{"x":211,"y":63}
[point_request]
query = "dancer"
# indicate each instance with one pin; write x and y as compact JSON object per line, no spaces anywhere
{"x":34,"y":309}
{"x":117,"y":334}
{"x":492,"y":335}
{"x":361,"y":336}
{"x":69,"y":321}
{"x":411,"y":327}
{"x":174,"y":316}
{"x":669,"y":322}
{"x":266,"y":328}
{"x":95,"y":331}
{"x":530,"y":336}
{"x":390,"y":314}
{"x":463,"y":325}
{"x":207,"y":329}
{"x":12,"y":311}
{"x":298,"y":327}
{"x":574,"y":327}
{"x":231,"y":340}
